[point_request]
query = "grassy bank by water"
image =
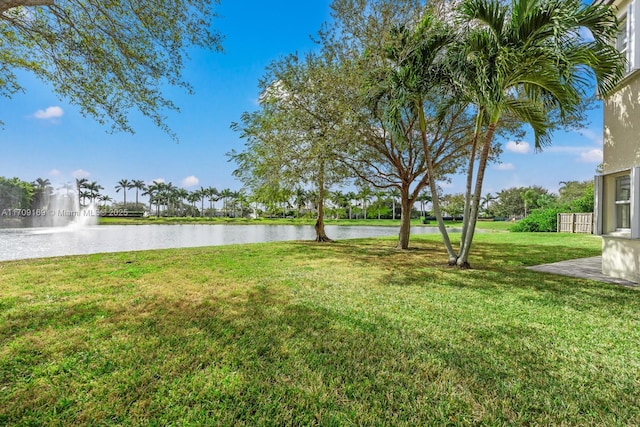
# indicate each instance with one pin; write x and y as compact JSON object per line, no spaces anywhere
{"x":498,"y":225}
{"x":299,"y":333}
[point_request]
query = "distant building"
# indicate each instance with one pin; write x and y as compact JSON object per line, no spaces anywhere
{"x":617,"y":209}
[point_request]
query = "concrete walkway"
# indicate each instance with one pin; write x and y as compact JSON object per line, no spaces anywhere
{"x":584,"y":268}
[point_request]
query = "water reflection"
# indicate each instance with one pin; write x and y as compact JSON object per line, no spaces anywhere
{"x":20,"y":243}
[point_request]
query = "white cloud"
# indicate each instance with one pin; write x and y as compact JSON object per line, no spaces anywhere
{"x":80,"y":173}
{"x":55,"y":172}
{"x":591,"y":156}
{"x":190,"y":181}
{"x":53,"y":112}
{"x":504,"y":167}
{"x":519,"y":147}
{"x":583,"y":154}
{"x":157,"y":180}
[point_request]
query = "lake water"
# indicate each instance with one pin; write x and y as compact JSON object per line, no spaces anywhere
{"x":22,"y":243}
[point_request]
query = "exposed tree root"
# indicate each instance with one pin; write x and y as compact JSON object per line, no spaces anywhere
{"x":323,"y":239}
{"x":464,"y":266}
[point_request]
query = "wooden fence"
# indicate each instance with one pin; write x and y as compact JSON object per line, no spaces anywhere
{"x":575,"y":223}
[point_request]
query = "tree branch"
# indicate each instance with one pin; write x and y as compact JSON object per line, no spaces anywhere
{"x":9,"y":4}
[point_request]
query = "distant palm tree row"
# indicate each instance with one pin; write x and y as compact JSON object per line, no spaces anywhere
{"x":168,"y":200}
{"x":165,"y":199}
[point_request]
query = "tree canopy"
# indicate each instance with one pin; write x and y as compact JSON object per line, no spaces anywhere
{"x":106,"y":56}
{"x":431,"y":86}
{"x":292,"y":139}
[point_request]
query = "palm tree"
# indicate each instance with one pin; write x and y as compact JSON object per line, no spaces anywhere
{"x":339,"y":200}
{"x":212,"y":194}
{"x":395,"y":195}
{"x":43,"y":191}
{"x":193,"y":197}
{"x":364,"y":196}
{"x":169,"y":197}
{"x":80,"y":185}
{"x":525,"y":61}
{"x":180,"y":195}
{"x":423,"y":198}
{"x":153,"y":191}
{"x":380,"y":203}
{"x":139,"y":185}
{"x":350,"y":197}
{"x":202,"y":193}
{"x":284,"y":197}
{"x":84,"y":195}
{"x":42,"y":183}
{"x":225,"y":195}
{"x":301,"y":199}
{"x":485,"y":202}
{"x":242,"y":200}
{"x":105,"y":199}
{"x":94,"y":190}
{"x":124,"y":185}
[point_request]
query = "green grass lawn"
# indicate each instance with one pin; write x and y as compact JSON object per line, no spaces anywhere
{"x":299,"y":333}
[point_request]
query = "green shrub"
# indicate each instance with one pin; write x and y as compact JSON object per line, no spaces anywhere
{"x":539,"y":220}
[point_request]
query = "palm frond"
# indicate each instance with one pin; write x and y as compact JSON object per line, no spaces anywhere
{"x":535,"y":116}
{"x":490,"y":13}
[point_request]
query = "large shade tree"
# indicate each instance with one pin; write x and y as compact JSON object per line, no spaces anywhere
{"x":107,"y":57}
{"x":385,"y":146}
{"x":293,"y":139}
{"x":430,"y":134}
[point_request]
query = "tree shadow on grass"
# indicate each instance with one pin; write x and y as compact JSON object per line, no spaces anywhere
{"x":473,"y":349}
{"x":497,"y":268}
{"x":265,"y":359}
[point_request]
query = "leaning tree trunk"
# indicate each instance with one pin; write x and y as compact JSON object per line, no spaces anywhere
{"x":434,"y":190}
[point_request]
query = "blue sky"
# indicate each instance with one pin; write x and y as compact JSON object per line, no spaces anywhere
{"x":46,"y":137}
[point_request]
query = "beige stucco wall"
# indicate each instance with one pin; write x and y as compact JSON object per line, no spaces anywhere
{"x":622,"y":126}
{"x":620,"y":253}
{"x":620,"y":5}
{"x":621,"y":258}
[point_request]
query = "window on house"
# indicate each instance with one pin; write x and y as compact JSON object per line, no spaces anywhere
{"x":623,"y":202}
{"x":622,"y":41}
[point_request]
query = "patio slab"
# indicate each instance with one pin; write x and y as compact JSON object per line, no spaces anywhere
{"x":584,"y":268}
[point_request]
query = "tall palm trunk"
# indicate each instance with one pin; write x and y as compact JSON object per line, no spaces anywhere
{"x":465,"y":245}
{"x":437,"y":212}
{"x":466,"y":215}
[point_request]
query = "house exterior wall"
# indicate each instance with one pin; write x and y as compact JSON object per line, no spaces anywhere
{"x":621,"y":258}
{"x":621,"y":158}
{"x":622,"y":126}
